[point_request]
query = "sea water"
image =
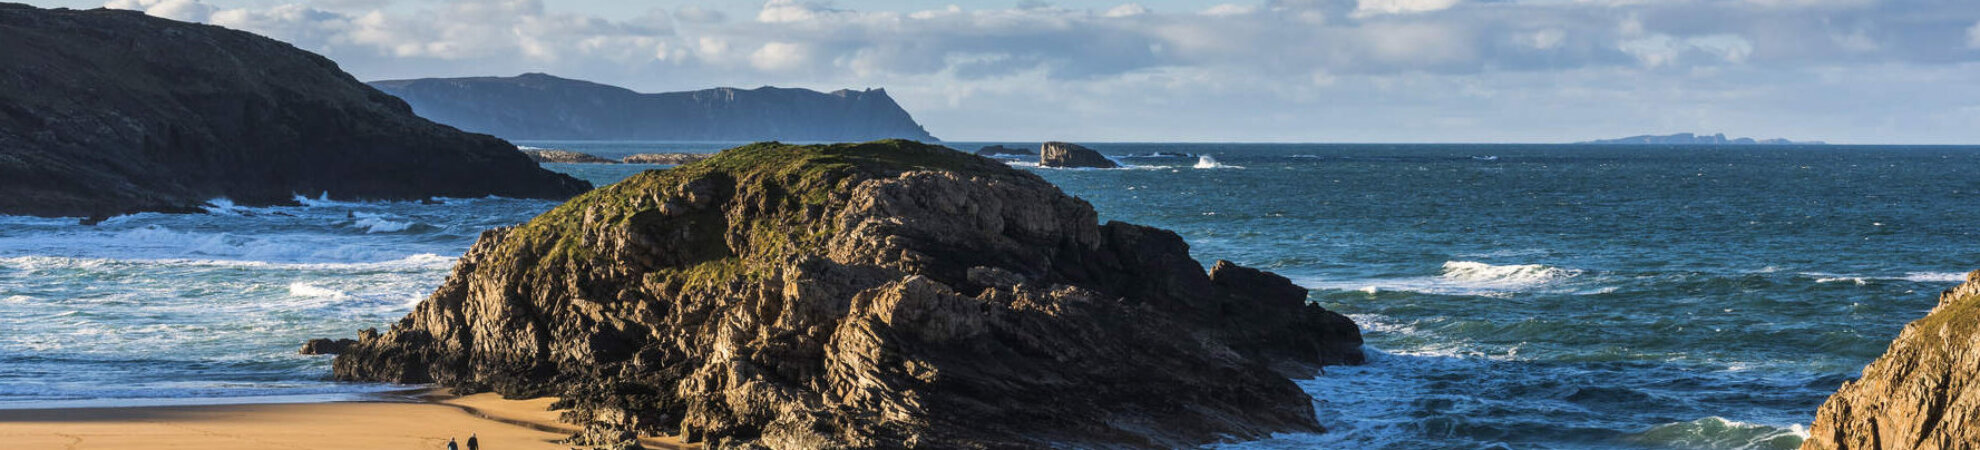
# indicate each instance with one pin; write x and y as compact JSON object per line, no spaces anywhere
{"x":1513,"y":296}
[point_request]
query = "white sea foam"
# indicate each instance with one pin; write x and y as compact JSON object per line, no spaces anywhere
{"x":1207,"y":162}
{"x":1935,"y":277}
{"x":1507,"y":276}
{"x":301,"y":289}
{"x":1719,"y":432}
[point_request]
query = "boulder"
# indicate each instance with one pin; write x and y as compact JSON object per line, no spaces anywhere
{"x":326,"y":346}
{"x":1924,"y":392}
{"x":1061,"y":154}
{"x":884,"y":294}
{"x":107,"y":112}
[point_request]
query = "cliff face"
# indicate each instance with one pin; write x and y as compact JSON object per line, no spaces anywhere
{"x":857,"y":295}
{"x":1923,"y":393}
{"x":105,"y":112}
{"x":538,"y":106}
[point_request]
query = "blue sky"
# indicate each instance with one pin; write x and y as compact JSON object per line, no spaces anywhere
{"x":1846,"y":71}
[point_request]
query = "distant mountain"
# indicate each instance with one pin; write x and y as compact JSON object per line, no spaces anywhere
{"x":1693,"y":139}
{"x":539,"y":106}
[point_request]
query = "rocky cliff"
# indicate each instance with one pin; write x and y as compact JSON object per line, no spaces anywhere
{"x":884,"y":294}
{"x":538,"y":106}
{"x":1923,"y":393}
{"x":105,"y":112}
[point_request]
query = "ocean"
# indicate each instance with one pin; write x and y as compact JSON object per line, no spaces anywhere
{"x":1512,"y":296}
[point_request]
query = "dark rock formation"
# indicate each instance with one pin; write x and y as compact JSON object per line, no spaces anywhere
{"x":538,"y":106}
{"x":565,"y":156}
{"x":885,"y":294}
{"x":1695,"y":139}
{"x":1923,"y":393}
{"x":105,"y":112}
{"x":999,"y":150}
{"x":326,"y":346}
{"x":1061,"y":154}
{"x":665,"y":158}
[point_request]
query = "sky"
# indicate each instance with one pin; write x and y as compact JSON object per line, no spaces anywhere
{"x":1842,"y":71}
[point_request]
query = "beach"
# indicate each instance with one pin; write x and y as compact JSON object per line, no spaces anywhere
{"x":421,"y":420}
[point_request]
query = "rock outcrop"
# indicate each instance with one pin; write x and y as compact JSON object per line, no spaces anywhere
{"x":1061,"y":154}
{"x":105,"y":112}
{"x":665,"y":158}
{"x":326,"y":346}
{"x":886,"y":294}
{"x":539,"y":106}
{"x":1924,"y":392}
{"x":565,"y":156}
{"x":999,"y":150}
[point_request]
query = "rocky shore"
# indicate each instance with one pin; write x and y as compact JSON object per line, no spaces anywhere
{"x":1061,"y":154}
{"x":1924,"y":392}
{"x":665,"y":158}
{"x":565,"y":156}
{"x":106,"y":112}
{"x":864,"y":295}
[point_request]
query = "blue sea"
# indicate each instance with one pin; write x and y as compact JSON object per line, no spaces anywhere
{"x":1513,"y":296}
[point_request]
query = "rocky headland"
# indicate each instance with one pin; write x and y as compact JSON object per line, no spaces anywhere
{"x":545,"y":107}
{"x":105,"y":112}
{"x":1924,"y":392}
{"x":886,"y":294}
{"x":1061,"y":154}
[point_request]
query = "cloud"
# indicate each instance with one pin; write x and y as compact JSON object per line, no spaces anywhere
{"x":1072,"y":70}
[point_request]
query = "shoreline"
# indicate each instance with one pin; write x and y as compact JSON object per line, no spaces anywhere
{"x":419,"y":418}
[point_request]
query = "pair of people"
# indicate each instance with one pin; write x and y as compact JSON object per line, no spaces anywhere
{"x":473,"y":444}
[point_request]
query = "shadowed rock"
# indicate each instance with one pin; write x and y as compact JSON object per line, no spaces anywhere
{"x":866,"y":295}
{"x":999,"y":150}
{"x":105,"y":112}
{"x":1061,"y":154}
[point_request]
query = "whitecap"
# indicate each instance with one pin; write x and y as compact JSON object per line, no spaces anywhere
{"x":301,"y":289}
{"x":372,"y":223}
{"x":1935,"y":277}
{"x":1207,"y":162}
{"x":1517,"y":275}
{"x":1719,"y":432}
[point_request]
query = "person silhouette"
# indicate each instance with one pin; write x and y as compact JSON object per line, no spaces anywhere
{"x":473,"y":444}
{"x":451,"y":445}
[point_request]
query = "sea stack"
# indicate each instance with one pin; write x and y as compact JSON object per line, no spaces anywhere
{"x":106,"y":112}
{"x":882,"y":294}
{"x":1061,"y":154}
{"x":1924,"y":392}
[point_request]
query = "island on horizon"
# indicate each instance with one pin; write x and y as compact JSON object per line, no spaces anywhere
{"x":1697,"y":139}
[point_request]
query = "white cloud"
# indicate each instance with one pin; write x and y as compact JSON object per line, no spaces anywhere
{"x":696,"y":14}
{"x":183,"y":10}
{"x":1126,"y":10}
{"x":776,"y":56}
{"x":1659,"y":50}
{"x":1547,"y":39}
{"x":1228,"y":9}
{"x":1973,"y":36}
{"x":1374,"y":7}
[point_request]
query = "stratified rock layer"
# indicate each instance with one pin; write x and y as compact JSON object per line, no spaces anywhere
{"x":1924,"y":393}
{"x":105,"y":112}
{"x":1061,"y":154}
{"x":883,"y":294}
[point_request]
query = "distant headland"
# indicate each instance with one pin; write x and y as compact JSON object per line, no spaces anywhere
{"x":543,"y":107}
{"x":1698,"y":139}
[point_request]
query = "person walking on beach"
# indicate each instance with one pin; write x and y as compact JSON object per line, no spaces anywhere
{"x":472,"y":443}
{"x":451,"y":445}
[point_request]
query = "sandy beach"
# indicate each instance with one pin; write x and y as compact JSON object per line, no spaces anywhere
{"x":424,"y":420}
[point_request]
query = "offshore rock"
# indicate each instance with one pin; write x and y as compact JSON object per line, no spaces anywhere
{"x":1061,"y":154}
{"x":999,"y":150}
{"x":565,"y":156}
{"x":1924,"y":392}
{"x":106,"y":112}
{"x":886,"y":294}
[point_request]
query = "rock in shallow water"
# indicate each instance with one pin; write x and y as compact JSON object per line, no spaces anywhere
{"x":859,"y":295}
{"x":1061,"y":154}
{"x":1924,"y":392}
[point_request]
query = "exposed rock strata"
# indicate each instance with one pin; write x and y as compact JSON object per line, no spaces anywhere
{"x":1924,"y":392}
{"x":105,"y":112}
{"x":565,"y":156}
{"x":1061,"y":154}
{"x":865,"y":295}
